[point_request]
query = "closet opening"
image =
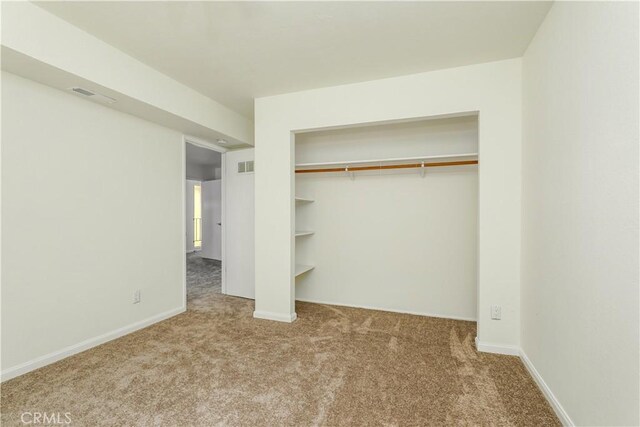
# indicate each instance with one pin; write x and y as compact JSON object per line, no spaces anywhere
{"x":387,"y":216}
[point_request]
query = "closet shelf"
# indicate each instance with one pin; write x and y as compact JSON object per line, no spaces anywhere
{"x":300,"y":233}
{"x":388,"y":160}
{"x":301,"y":269}
{"x":303,"y":200}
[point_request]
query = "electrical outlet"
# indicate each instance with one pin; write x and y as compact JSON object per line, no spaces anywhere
{"x":496,"y":312}
{"x":136,"y":296}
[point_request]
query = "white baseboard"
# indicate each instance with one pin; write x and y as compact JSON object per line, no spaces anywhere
{"x":510,"y":350}
{"x":544,"y":388}
{"x":50,"y":358}
{"x":278,"y":317}
{"x":551,"y":398}
{"x":415,"y":313}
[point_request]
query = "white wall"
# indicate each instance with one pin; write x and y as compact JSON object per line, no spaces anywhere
{"x":405,"y":139}
{"x":189,"y":211}
{"x":492,"y":89}
{"x":395,"y":240}
{"x":580,"y":210}
{"x":203,"y":172}
{"x":73,"y":249}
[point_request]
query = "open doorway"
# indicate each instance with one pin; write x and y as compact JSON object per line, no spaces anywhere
{"x":203,"y":223}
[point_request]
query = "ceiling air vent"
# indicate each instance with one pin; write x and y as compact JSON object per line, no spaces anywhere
{"x":93,"y":95}
{"x":82,"y":91}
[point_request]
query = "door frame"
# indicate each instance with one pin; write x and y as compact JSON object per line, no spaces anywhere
{"x":199,"y":142}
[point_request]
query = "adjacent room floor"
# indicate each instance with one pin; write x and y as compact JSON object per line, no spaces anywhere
{"x":216,"y":364}
{"x":203,"y":278}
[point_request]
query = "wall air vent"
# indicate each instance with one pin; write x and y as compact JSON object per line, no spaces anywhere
{"x":93,"y":95}
{"x":245,"y":167}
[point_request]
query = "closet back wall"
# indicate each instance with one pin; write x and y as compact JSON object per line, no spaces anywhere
{"x":394,"y":240}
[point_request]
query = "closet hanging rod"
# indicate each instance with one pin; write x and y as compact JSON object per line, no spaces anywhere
{"x":385,"y":167}
{"x":396,"y":159}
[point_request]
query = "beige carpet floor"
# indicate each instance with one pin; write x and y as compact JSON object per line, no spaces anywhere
{"x":335,"y":366}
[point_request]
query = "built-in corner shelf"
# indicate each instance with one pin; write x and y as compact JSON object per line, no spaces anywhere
{"x":301,"y":269}
{"x":303,"y":200}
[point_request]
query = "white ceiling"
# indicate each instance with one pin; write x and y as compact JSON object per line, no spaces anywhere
{"x":202,"y":164}
{"x":234,"y":52}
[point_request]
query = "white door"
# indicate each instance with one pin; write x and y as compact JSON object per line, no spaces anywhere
{"x":211,"y":220}
{"x":189,"y":211}
{"x":239,"y":225}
